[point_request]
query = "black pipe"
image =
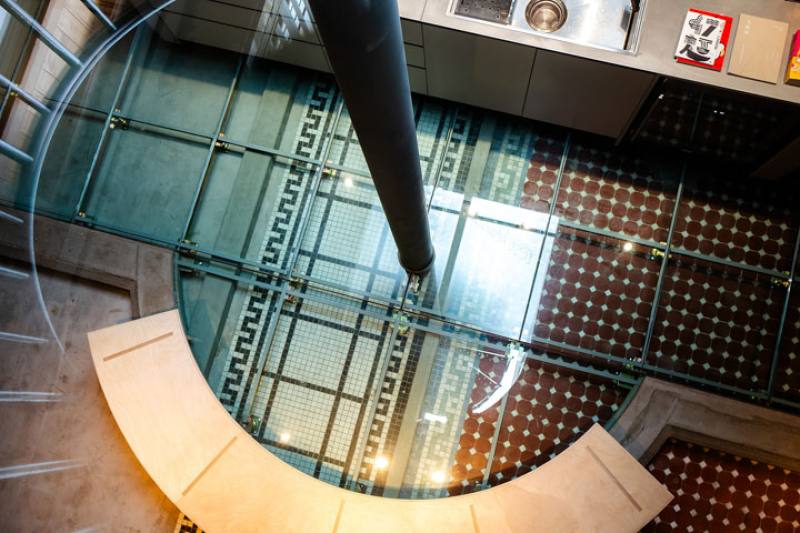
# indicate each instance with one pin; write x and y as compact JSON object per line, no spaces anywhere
{"x":365,"y":46}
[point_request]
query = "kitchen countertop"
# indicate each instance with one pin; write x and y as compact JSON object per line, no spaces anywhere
{"x":660,"y":27}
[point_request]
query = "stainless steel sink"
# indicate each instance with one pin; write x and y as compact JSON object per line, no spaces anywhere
{"x":546,"y":15}
{"x":608,"y":24}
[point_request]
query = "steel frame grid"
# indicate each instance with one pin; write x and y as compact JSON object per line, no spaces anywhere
{"x":320,"y":167}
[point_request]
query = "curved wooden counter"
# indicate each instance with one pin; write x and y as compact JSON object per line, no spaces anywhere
{"x":225,"y":481}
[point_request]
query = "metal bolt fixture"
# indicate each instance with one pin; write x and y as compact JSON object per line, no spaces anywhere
{"x":119,"y":122}
{"x":781,"y":282}
{"x":403,"y":324}
{"x":657,"y":253}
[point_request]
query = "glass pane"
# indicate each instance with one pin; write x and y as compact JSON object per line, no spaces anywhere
{"x":742,"y":128}
{"x":486,"y":255}
{"x":251,"y":206}
{"x":319,"y":387}
{"x":717,"y":323}
{"x":478,"y":420}
{"x":69,"y":159}
{"x":77,"y":135}
{"x":671,"y":118}
{"x":347,"y":244}
{"x":225,"y":315}
{"x":489,"y":218}
{"x":286,"y":109}
{"x":733,"y":220}
{"x":596,"y":294}
{"x":549,"y":408}
{"x":605,"y":189}
{"x":433,"y":121}
{"x":178,"y":85}
{"x":101,"y":85}
{"x":146,"y":181}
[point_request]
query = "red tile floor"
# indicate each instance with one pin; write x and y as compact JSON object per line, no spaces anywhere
{"x":717,"y":323}
{"x":737,"y":222}
{"x":625,"y":195}
{"x":787,"y":375}
{"x":716,"y":491}
{"x":597,"y":294}
{"x":547,"y":409}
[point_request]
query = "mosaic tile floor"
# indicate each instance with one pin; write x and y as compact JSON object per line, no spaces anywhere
{"x":716,"y":491}
{"x":604,"y":263}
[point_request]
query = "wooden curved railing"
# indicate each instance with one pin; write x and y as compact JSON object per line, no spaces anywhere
{"x":226,"y":481}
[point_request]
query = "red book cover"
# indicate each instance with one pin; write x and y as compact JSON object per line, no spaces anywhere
{"x":704,"y":39}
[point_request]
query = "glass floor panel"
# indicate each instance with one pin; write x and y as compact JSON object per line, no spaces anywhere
{"x":611,"y":191}
{"x":288,"y":110}
{"x":433,"y":120}
{"x":251,"y":206}
{"x":717,"y":323}
{"x":149,"y":196}
{"x":755,"y":226}
{"x":550,"y":297}
{"x":347,"y":243}
{"x":178,"y":87}
{"x":597,"y":294}
{"x":319,"y":385}
{"x":486,"y":256}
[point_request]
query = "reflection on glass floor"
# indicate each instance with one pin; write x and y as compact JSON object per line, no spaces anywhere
{"x":604,"y":264}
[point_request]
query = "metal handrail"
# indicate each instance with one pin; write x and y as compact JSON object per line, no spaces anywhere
{"x":46,"y":131}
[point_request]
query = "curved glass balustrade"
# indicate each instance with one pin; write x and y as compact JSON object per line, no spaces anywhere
{"x":567,"y":268}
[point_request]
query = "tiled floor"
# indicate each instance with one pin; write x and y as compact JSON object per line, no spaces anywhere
{"x":716,"y":491}
{"x":317,"y":342}
{"x":717,"y":323}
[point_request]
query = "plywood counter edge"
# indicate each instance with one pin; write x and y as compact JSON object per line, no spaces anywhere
{"x":224,"y":480}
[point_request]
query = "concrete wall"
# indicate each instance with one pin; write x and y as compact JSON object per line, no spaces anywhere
{"x":101,"y":485}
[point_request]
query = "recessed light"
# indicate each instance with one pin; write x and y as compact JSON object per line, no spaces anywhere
{"x":381,"y":462}
{"x":438,"y":476}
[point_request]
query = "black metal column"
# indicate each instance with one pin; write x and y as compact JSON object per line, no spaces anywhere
{"x":365,"y":46}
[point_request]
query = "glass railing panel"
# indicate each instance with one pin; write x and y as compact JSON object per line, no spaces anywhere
{"x":252,"y":206}
{"x":717,"y":323}
{"x":146,"y":181}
